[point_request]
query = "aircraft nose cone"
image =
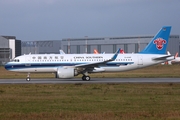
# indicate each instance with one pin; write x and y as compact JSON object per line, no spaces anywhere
{"x":6,"y":66}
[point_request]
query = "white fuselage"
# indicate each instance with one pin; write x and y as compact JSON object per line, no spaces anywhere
{"x":50,"y":62}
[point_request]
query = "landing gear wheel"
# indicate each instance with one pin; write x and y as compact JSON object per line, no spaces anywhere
{"x":83,"y":77}
{"x":87,"y":78}
{"x":28,"y":79}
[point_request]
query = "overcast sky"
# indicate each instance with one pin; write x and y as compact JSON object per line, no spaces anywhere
{"x":57,"y":19}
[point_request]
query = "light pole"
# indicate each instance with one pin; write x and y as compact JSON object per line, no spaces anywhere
{"x":86,"y":44}
{"x":69,"y":46}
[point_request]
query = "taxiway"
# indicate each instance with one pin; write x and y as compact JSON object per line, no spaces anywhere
{"x":94,"y":80}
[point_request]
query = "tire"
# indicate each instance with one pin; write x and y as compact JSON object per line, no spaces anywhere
{"x":28,"y":79}
{"x":83,"y":77}
{"x":87,"y":78}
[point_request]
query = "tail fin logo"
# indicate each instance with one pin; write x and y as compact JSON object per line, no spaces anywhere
{"x":159,"y":43}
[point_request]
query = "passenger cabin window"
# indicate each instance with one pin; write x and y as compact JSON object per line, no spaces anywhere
{"x":39,"y":57}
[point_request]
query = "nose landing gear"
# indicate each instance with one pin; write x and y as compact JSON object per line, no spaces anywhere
{"x":28,"y":77}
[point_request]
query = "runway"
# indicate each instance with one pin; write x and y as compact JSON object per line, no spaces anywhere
{"x":94,"y":80}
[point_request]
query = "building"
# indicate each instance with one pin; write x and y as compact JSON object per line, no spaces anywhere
{"x":41,"y":47}
{"x":131,"y":44}
{"x":10,"y":47}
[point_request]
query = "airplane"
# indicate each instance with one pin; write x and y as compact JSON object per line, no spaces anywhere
{"x":122,"y":51}
{"x":96,"y":51}
{"x":61,"y":52}
{"x":71,"y":65}
{"x":174,"y":61}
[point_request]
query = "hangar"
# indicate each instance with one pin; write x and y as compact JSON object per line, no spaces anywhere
{"x":41,"y":47}
{"x":130,"y":44}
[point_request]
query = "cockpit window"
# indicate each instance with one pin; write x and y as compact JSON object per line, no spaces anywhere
{"x":15,"y":60}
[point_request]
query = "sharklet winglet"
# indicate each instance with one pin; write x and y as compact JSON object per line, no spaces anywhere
{"x":115,"y":55}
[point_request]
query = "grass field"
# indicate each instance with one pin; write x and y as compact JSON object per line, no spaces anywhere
{"x":90,"y":101}
{"x":106,"y":101}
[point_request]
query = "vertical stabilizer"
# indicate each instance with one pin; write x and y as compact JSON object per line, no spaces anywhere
{"x":159,"y":43}
{"x":96,"y":51}
{"x":176,"y":55}
{"x":122,"y":51}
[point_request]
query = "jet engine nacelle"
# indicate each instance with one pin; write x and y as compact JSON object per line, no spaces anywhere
{"x":66,"y":72}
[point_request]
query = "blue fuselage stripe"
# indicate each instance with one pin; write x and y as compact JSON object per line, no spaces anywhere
{"x":41,"y":65}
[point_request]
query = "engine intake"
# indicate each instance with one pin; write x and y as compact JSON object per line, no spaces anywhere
{"x":66,"y":72}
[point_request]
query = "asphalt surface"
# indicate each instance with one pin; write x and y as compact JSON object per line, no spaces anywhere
{"x":93,"y":80}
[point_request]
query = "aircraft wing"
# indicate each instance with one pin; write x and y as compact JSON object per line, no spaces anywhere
{"x":96,"y":64}
{"x":94,"y":67}
{"x":167,"y":57}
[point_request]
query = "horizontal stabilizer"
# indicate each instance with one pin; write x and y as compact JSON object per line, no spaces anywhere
{"x":167,"y":57}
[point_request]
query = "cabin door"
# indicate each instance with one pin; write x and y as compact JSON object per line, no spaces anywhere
{"x":28,"y":62}
{"x":140,"y":60}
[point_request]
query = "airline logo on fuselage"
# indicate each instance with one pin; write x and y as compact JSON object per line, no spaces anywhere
{"x":159,"y":43}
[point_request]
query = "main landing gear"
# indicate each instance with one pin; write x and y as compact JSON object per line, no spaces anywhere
{"x":28,"y":77}
{"x":87,"y":78}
